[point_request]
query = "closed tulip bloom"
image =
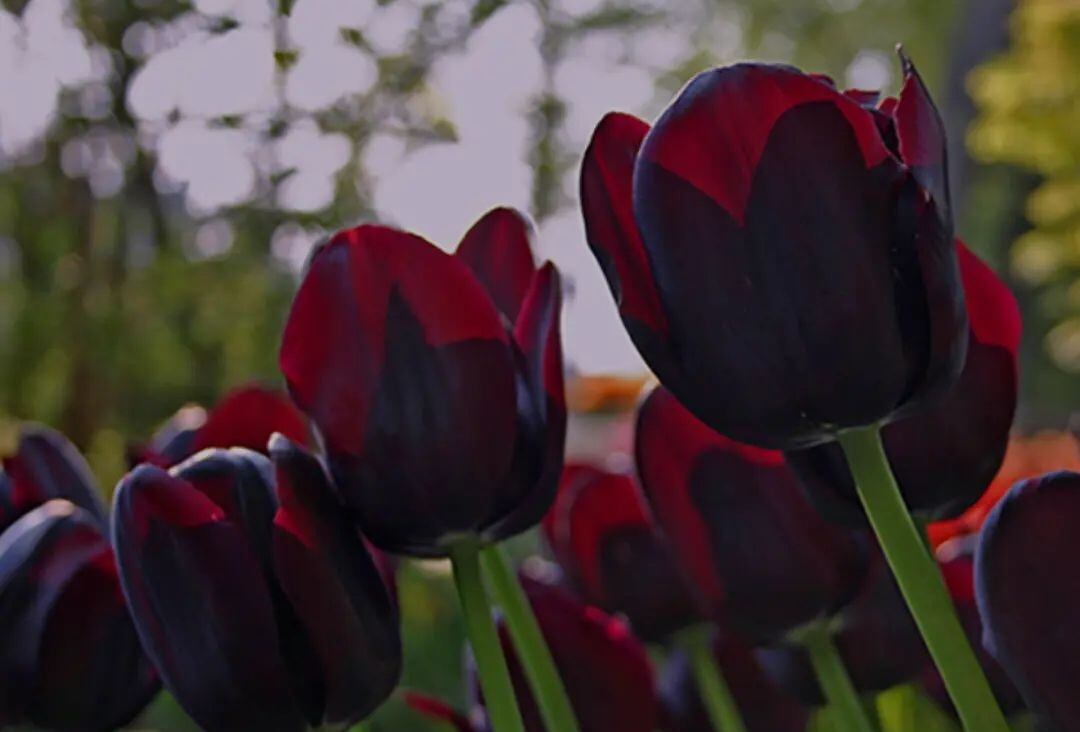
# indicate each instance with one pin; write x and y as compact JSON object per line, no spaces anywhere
{"x":442,"y":415}
{"x":741,"y":526}
{"x":46,"y":465}
{"x":764,"y":706}
{"x":781,"y":252}
{"x":70,"y":659}
{"x":235,"y":589}
{"x":946,"y":455}
{"x":600,"y":532}
{"x":1029,"y":597}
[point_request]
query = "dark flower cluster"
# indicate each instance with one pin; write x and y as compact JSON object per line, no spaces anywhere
{"x":782,"y":254}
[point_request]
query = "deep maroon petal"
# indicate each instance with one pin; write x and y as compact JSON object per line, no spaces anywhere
{"x":600,"y":531}
{"x":201,"y":605}
{"x":764,"y":706}
{"x":605,"y":669}
{"x":247,"y":416}
{"x":335,"y":588}
{"x":741,"y":525}
{"x":437,"y":709}
{"x":71,"y":659}
{"x":45,"y":466}
{"x":921,"y":134}
{"x":498,"y":250}
{"x":1029,"y":597}
{"x":946,"y":455}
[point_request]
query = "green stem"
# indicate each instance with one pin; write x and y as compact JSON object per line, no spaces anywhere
{"x":491,"y":667}
{"x":835,"y":682}
{"x":715,"y":695}
{"x":920,"y":581}
{"x":544,"y":679}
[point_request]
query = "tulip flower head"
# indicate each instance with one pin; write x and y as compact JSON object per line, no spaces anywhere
{"x":946,"y":455}
{"x":252,"y":594}
{"x":70,"y":659}
{"x":741,"y":526}
{"x":1028,"y":597}
{"x":781,"y":252}
{"x":600,"y":532}
{"x":434,"y":380}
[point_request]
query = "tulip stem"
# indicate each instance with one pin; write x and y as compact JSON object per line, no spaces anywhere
{"x":491,"y":666}
{"x":547,"y":686}
{"x":832,"y":675}
{"x":715,"y":694}
{"x":920,"y":581}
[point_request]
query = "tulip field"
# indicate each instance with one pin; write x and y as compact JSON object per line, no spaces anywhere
{"x":275,"y":459}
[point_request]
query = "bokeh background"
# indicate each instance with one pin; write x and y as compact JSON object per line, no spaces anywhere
{"x":166,"y":167}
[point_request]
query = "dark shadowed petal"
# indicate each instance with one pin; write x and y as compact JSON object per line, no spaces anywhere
{"x":764,"y":706}
{"x":201,"y":605}
{"x":246,"y":417}
{"x":1027,"y":595}
{"x":946,"y":455}
{"x":46,"y":465}
{"x":335,"y":588}
{"x":605,"y":669}
{"x":741,"y":524}
{"x":921,"y":134}
{"x":541,"y":436}
{"x":70,"y":658}
{"x":600,"y":531}
{"x":437,"y":709}
{"x":498,"y":250}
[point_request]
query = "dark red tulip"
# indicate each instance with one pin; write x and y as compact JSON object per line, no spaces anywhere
{"x":439,"y":418}
{"x":957,"y":562}
{"x":600,"y":532}
{"x":235,"y":593}
{"x":741,"y":526}
{"x":781,"y":253}
{"x":946,"y":455}
{"x":764,"y":706}
{"x":247,"y":416}
{"x":46,"y":465}
{"x":436,"y":709}
{"x":877,"y":639}
{"x":605,"y":669}
{"x":69,"y":656}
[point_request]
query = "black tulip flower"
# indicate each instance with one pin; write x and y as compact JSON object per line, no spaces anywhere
{"x":956,"y":558}
{"x":46,"y":465}
{"x":764,"y":706}
{"x":604,"y":667}
{"x":877,"y":639}
{"x":946,"y":455}
{"x":781,"y":252}
{"x":70,"y":659}
{"x":442,"y":415}
{"x":741,"y":525}
{"x":260,"y":611}
{"x":600,"y":532}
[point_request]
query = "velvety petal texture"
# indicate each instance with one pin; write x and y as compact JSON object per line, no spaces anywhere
{"x":1029,"y":597}
{"x":247,"y":416}
{"x":600,"y":532}
{"x":781,"y":265}
{"x":741,"y":525}
{"x":765,"y":707}
{"x":70,"y":658}
{"x":439,"y":416}
{"x":45,"y":465}
{"x":605,"y":669}
{"x":946,"y":455}
{"x":217,"y":575}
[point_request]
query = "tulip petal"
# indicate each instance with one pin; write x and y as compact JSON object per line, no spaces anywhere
{"x":740,"y":524}
{"x":437,"y":709}
{"x":335,"y":588}
{"x":1028,"y":604}
{"x":498,"y":250}
{"x":201,"y":605}
{"x":921,"y":134}
{"x":46,"y":465}
{"x":246,"y":417}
